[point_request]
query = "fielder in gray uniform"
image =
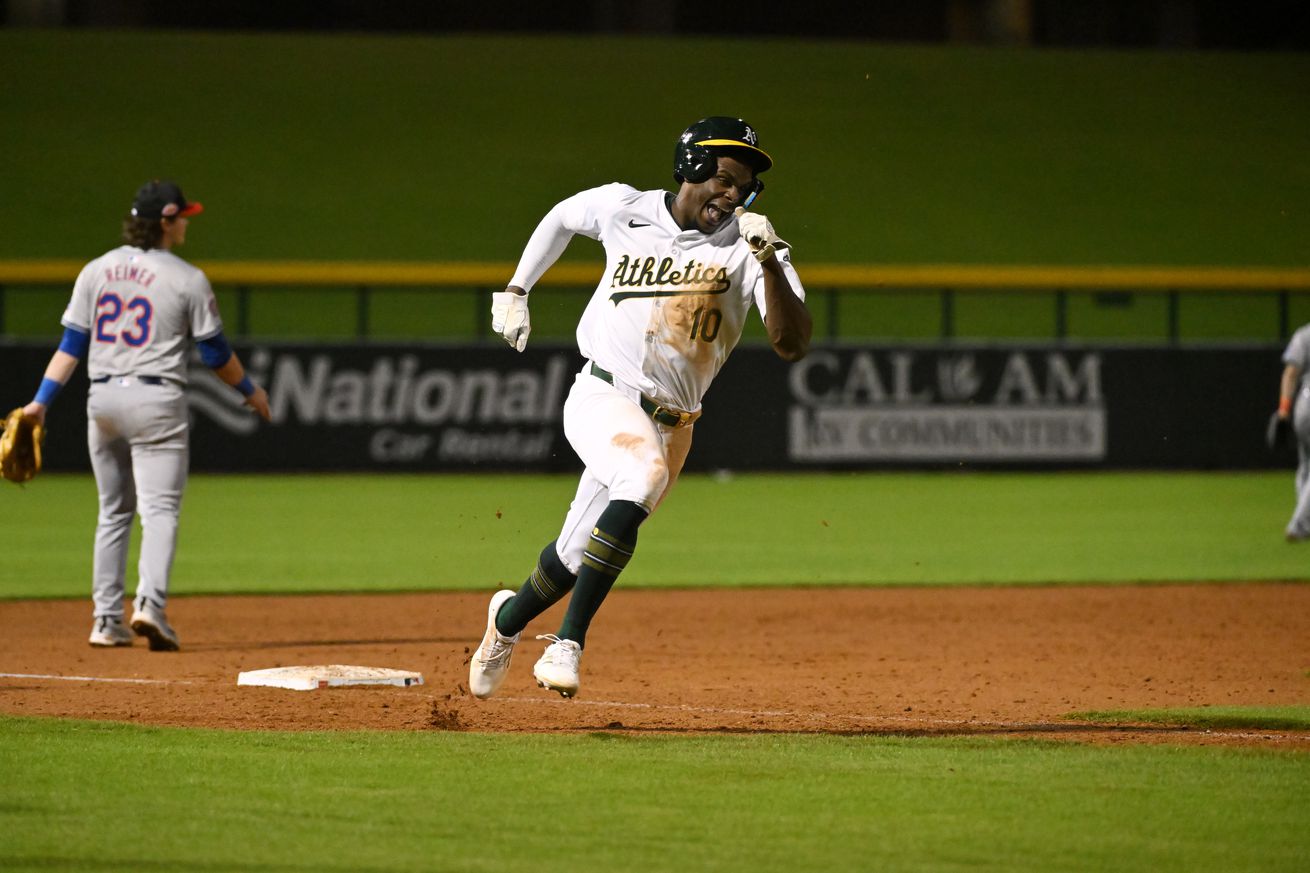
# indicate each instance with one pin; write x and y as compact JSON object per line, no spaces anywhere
{"x":134,"y":314}
{"x":682,"y":272}
{"x":1294,"y":409}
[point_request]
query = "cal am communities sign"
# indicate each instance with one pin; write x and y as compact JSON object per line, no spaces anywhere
{"x":941,"y":405}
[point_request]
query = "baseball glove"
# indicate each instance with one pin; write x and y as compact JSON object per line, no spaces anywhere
{"x":1278,"y":433}
{"x":20,"y":447}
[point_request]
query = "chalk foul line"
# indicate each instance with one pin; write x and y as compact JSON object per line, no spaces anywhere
{"x":95,"y":679}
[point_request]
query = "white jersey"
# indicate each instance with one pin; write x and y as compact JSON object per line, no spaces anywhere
{"x":142,"y":309}
{"x":672,"y":303}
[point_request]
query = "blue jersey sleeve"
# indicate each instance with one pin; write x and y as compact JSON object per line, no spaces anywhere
{"x":214,"y":351}
{"x":75,"y":342}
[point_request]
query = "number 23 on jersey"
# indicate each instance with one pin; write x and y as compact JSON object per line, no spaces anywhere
{"x":128,"y":321}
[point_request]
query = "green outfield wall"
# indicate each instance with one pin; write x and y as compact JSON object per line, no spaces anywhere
{"x":451,"y":148}
{"x":329,"y":149}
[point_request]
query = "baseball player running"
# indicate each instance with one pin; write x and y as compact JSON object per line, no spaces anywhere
{"x":133,"y":314}
{"x":681,"y":274}
{"x":1293,"y":418}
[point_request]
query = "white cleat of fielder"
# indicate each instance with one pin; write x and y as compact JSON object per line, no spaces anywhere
{"x":148,"y":621}
{"x":109,"y":631}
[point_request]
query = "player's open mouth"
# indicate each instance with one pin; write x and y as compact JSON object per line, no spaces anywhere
{"x":714,"y":214}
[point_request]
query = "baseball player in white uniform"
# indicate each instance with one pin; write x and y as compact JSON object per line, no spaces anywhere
{"x":681,"y":273}
{"x":1294,"y":413}
{"x":133,"y":315}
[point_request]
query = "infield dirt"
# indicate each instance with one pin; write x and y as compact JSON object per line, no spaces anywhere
{"x":917,"y":661}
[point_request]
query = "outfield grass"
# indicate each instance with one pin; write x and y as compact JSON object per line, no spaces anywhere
{"x":81,"y":795}
{"x":1253,"y":717}
{"x":419,"y":532}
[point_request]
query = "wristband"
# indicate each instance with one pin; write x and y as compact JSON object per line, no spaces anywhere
{"x":245,"y":386}
{"x":45,"y":395}
{"x":1284,"y":406}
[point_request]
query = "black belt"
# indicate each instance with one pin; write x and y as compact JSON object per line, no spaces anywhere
{"x":145,"y":380}
{"x":661,"y":414}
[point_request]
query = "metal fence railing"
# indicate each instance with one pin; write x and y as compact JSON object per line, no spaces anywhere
{"x":836,"y":291}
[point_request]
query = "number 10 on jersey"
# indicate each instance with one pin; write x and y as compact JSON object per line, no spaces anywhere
{"x":705,"y":324}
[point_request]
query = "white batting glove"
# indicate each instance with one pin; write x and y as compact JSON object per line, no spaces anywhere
{"x":759,"y":234}
{"x":509,"y":318}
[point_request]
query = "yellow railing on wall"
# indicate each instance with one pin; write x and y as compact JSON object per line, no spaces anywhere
{"x":830,"y":286}
{"x":955,"y":276}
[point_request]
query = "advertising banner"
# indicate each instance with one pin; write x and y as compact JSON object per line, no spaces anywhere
{"x":907,"y":406}
{"x":993,"y":406}
{"x":458,"y":408}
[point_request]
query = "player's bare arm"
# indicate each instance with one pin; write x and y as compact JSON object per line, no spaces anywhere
{"x":60,"y":369}
{"x":234,"y":374}
{"x":1287,"y":390}
{"x":787,"y":320}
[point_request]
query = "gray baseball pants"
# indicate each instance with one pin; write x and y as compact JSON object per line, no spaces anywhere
{"x":138,"y":437}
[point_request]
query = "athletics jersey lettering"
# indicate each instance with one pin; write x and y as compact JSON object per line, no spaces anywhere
{"x":664,"y":280}
{"x":686,"y":294}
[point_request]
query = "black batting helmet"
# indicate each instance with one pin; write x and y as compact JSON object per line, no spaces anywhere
{"x":695,"y":155}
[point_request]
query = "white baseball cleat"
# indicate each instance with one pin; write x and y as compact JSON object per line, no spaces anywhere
{"x":490,"y":663}
{"x":148,"y":621}
{"x":557,"y":669}
{"x":109,"y":631}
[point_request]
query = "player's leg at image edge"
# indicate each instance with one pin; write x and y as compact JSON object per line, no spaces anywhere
{"x":1298,"y":527}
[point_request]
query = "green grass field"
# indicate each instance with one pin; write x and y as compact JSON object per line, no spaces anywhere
{"x":206,"y":800}
{"x":416,"y":532}
{"x":1262,"y":718}
{"x":92,"y":796}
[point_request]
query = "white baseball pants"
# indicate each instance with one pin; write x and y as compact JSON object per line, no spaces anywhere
{"x":628,"y":456}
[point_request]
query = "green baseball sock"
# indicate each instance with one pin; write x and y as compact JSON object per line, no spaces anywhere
{"x":550,"y":581}
{"x":613,"y":540}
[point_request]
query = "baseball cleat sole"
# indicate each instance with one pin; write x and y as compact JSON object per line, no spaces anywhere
{"x":563,"y":692}
{"x":155,"y":637}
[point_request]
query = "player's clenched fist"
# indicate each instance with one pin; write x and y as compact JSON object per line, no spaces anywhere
{"x":759,"y":234}
{"x":509,"y":318}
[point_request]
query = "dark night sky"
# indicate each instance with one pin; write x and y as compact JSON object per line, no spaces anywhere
{"x":1205,"y":24}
